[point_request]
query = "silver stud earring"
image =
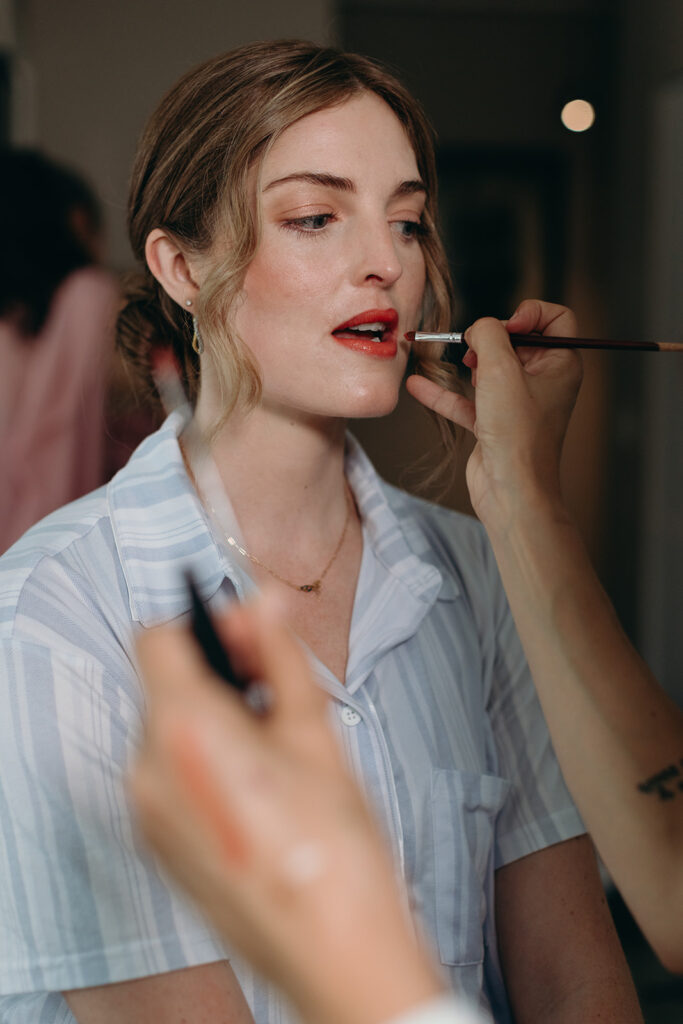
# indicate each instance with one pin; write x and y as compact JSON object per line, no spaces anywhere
{"x":188,"y":302}
{"x":197,"y":343}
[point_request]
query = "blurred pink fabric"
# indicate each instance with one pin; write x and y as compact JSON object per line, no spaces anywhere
{"x":52,"y":392}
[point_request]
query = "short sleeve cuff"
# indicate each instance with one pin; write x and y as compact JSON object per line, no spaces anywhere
{"x":537,"y":835}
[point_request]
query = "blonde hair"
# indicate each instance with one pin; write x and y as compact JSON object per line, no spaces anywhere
{"x":190,"y":178}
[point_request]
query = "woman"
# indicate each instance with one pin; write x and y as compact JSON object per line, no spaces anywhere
{"x":227,"y":837}
{"x":284,"y":198}
{"x":57,"y":314}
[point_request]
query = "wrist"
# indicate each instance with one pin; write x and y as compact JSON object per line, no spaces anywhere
{"x":524,"y":507}
{"x":444,"y":1009}
{"x":543,"y":564}
{"x":373,"y":989}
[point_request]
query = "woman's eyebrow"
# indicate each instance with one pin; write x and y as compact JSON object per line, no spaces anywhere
{"x":405,"y":188}
{"x":409,"y":188}
{"x":315,"y":178}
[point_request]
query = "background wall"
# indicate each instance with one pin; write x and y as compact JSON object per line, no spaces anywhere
{"x":88,"y":74}
{"x":661,"y":494}
{"x":493,"y":77}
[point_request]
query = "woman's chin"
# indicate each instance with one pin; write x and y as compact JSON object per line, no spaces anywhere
{"x":372,"y":403}
{"x":349,"y":403}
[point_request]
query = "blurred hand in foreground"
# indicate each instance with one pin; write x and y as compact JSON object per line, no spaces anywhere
{"x":259,"y":819}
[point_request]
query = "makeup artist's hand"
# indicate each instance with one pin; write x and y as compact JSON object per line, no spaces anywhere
{"x":259,"y":819}
{"x":522,"y":402}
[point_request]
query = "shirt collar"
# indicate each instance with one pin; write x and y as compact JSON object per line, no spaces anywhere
{"x":161,"y":530}
{"x":403,"y":544}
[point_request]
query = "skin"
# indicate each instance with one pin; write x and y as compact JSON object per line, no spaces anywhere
{"x":294,"y":440}
{"x":326,"y":254}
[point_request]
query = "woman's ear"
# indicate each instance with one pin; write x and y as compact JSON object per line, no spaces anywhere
{"x":170,"y":266}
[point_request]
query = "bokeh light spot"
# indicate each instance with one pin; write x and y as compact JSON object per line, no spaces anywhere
{"x":578,"y":115}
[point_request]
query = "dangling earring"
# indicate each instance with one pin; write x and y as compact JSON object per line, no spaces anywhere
{"x":197,"y":343}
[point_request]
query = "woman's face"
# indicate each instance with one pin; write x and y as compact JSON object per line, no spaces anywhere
{"x":341,"y":199}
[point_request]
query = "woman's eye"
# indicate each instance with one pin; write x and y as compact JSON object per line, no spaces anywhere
{"x":310,"y":225}
{"x":408,"y":229}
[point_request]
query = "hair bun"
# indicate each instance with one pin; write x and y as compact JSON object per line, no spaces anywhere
{"x":147,"y":321}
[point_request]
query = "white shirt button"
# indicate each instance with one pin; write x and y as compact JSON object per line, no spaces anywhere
{"x":349,"y":716}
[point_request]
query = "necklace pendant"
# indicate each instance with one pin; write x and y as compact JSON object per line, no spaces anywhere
{"x":311,"y":588}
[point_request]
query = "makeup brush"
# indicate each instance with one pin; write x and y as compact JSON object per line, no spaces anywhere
{"x":539,"y":341}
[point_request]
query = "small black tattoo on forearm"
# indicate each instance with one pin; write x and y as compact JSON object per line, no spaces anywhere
{"x":666,"y":784}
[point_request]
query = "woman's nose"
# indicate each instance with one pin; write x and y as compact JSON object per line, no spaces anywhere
{"x":377,"y":256}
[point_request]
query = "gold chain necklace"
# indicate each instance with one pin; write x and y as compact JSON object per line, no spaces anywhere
{"x":306,"y":588}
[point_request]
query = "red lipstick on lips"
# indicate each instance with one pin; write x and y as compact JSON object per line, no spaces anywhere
{"x":373,"y":332}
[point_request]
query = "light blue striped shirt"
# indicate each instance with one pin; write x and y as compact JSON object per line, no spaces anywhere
{"x":438,"y":718}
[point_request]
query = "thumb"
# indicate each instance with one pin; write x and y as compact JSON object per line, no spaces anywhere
{"x":258,"y":634}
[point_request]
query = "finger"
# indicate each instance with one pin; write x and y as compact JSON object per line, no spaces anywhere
{"x":178,"y":799}
{"x":170,"y":660}
{"x":199,"y":779}
{"x":176,"y":676}
{"x":235,"y":629}
{"x":451,"y":406}
{"x":238,"y":630}
{"x":545,"y":317}
{"x":276,"y":657}
{"x":470,"y":359}
{"x":551,"y":363}
{"x":536,"y":360}
{"x":286,"y":666}
{"x":490,"y":343}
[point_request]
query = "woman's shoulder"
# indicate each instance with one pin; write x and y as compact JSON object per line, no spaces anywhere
{"x":80,"y":565}
{"x":67,"y":555}
{"x":450,"y":526}
{"x":455,"y":543}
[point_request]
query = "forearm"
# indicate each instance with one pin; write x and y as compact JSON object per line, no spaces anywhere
{"x":612,"y":725}
{"x":445,"y":1009}
{"x":607,"y":1003}
{"x":207,"y":994}
{"x":559,"y":949}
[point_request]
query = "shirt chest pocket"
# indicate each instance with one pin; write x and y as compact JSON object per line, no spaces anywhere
{"x":464,"y":809}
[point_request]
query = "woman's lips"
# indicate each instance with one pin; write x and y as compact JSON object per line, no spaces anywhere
{"x":384,"y":349}
{"x":372,"y":332}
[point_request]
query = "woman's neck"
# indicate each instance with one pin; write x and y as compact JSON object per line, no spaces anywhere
{"x":285,"y":479}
